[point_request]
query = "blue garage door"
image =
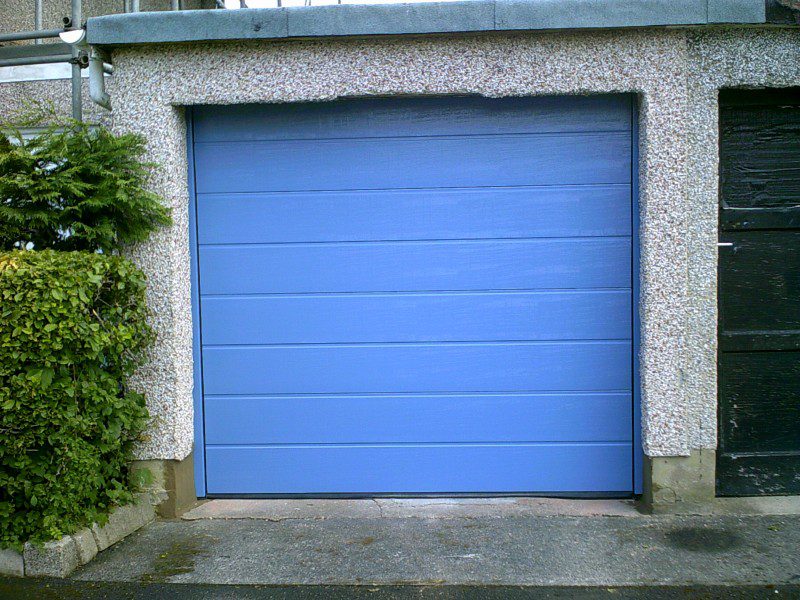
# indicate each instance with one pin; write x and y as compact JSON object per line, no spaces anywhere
{"x":419,"y":295}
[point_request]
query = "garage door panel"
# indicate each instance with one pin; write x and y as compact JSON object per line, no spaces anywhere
{"x":451,"y":162}
{"x":417,"y":317}
{"x":416,"y":266}
{"x":566,"y":211}
{"x":554,"y":417}
{"x":416,"y":295}
{"x":432,"y":468}
{"x":536,"y":366}
{"x":374,"y":117}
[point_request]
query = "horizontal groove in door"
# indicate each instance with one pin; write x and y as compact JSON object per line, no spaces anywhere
{"x":407,"y":368}
{"x":437,"y":188}
{"x":416,"y":266}
{"x":349,"y":243}
{"x":762,"y":453}
{"x":390,"y":294}
{"x":568,"y":417}
{"x":466,"y":444}
{"x":477,"y":393}
{"x":401,"y":469}
{"x":433,"y":344}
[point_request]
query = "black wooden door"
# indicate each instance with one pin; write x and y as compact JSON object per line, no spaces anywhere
{"x":759,"y":293}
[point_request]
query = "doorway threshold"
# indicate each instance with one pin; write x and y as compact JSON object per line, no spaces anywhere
{"x":275,"y":509}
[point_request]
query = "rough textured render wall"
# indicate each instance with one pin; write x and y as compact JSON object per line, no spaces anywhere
{"x":55,"y":94}
{"x":154,"y":82}
{"x":167,"y":379}
{"x":718,"y":59}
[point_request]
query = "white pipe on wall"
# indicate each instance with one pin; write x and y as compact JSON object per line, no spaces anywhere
{"x":97,"y":80}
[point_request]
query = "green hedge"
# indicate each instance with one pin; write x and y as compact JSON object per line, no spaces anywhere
{"x":72,"y":329}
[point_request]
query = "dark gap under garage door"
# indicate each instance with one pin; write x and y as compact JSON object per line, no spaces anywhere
{"x":418,"y":295}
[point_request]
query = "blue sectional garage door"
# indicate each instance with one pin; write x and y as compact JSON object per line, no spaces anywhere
{"x":418,"y":295}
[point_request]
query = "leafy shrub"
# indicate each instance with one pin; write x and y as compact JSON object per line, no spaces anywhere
{"x":72,"y":329}
{"x":75,"y":187}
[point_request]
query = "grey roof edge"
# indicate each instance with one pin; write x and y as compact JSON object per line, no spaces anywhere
{"x":422,"y":18}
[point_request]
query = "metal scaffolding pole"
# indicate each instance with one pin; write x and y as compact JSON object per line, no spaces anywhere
{"x":37,"y":19}
{"x":35,"y":60}
{"x":77,"y":109}
{"x":30,"y":35}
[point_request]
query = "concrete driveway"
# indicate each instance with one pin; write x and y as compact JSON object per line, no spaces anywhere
{"x":448,"y":548}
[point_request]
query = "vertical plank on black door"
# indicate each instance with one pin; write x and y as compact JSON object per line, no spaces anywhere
{"x":759,"y":293}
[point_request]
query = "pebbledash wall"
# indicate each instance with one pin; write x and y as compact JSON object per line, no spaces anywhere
{"x":676,"y":74}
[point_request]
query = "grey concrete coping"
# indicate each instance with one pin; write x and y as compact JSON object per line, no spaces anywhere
{"x":408,"y":19}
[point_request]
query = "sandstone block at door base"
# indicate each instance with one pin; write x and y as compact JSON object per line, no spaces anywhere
{"x":680,"y":484}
